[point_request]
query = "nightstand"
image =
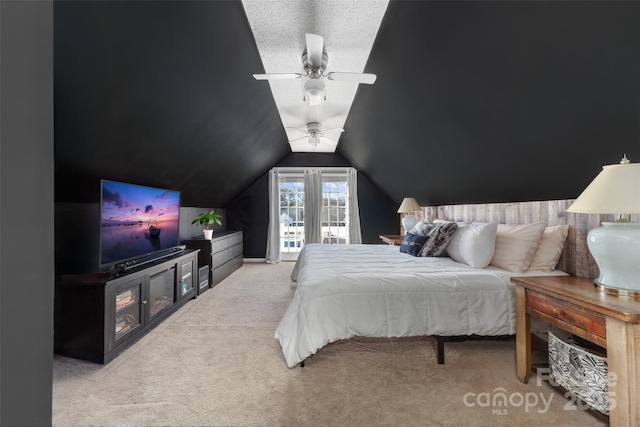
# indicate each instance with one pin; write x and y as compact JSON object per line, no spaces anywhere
{"x":392,"y":239}
{"x":577,"y":306}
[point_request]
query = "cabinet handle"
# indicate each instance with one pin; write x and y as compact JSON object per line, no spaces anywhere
{"x":557,"y":312}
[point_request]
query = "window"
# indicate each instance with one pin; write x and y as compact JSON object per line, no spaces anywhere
{"x":333,"y":218}
{"x":334,"y":210}
{"x":291,"y":190}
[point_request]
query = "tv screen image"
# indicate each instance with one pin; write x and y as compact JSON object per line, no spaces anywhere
{"x":136,"y":220}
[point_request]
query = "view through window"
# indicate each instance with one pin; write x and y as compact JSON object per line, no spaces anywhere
{"x":334,"y":217}
{"x":334,"y":210}
{"x":291,"y":214}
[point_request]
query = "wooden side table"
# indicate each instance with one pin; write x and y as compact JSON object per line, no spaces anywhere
{"x":577,"y":306}
{"x":392,"y":239}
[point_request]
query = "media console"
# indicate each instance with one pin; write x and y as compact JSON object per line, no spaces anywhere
{"x":99,"y":315}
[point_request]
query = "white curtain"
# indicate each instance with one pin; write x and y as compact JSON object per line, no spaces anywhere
{"x":355,"y":234}
{"x":273,"y":235}
{"x":312,"y":206}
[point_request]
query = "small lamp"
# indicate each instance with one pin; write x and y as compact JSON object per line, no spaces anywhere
{"x":616,"y":245}
{"x":408,"y":206}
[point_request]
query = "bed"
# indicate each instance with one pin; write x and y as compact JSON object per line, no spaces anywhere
{"x":345,"y":291}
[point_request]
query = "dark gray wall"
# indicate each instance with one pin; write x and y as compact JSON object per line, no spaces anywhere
{"x":474,"y":102}
{"x":155,"y":93}
{"x":493,"y":101}
{"x":249,"y":212}
{"x":26,"y":213}
{"x":161,"y":93}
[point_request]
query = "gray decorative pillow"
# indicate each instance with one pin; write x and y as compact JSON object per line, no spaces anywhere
{"x":422,"y":228}
{"x":439,"y":237}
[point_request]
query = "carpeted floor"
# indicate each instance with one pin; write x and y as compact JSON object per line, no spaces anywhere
{"x":215,"y":363}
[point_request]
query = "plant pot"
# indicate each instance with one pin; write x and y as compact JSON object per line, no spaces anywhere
{"x":208,"y":234}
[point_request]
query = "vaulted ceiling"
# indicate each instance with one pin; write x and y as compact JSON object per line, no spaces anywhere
{"x":474,"y":101}
{"x":347,"y":30}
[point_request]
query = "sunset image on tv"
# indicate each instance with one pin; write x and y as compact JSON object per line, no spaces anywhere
{"x":136,"y":220}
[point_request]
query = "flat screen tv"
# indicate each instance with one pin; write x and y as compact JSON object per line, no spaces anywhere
{"x":136,"y":221}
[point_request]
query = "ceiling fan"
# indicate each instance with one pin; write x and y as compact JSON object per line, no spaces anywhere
{"x":314,"y":61}
{"x":315,"y":134}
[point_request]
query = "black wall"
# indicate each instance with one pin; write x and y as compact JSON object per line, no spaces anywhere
{"x":26,"y":213}
{"x":475,"y":102}
{"x":156,"y":93}
{"x":249,"y":212}
{"x":160,"y":93}
{"x":496,"y":101}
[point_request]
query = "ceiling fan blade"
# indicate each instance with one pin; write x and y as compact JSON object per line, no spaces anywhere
{"x":365,"y":78}
{"x":315,"y":44}
{"x":278,"y":76}
{"x":333,"y":130}
{"x":298,"y":139}
{"x":297,"y":133}
{"x":329,"y":140}
{"x":299,"y":129}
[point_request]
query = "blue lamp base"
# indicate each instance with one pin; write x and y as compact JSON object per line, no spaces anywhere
{"x":616,"y":249}
{"x":408,"y":222}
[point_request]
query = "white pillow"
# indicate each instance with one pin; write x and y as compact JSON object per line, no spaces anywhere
{"x":550,"y":249}
{"x":473,"y":244}
{"x":516,"y":244}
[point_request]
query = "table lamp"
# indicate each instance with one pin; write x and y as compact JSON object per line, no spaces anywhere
{"x":615,"y":246}
{"x":408,"y":206}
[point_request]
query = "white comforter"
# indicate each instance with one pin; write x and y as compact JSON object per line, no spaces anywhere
{"x":376,"y":291}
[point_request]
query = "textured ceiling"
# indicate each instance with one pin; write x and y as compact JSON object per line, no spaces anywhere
{"x":349,"y":28}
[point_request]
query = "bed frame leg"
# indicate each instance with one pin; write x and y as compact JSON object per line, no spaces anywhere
{"x":302,"y":364}
{"x":440,"y":341}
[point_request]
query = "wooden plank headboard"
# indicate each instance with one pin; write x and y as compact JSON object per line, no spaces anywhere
{"x":576,"y":259}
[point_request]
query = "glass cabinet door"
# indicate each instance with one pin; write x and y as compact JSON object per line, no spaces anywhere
{"x":187,"y":282}
{"x":161,"y":292}
{"x":128,"y":309}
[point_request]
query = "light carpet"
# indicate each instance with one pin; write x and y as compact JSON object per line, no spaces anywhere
{"x":215,"y":362}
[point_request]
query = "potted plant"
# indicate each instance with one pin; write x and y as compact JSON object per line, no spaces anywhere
{"x":207,"y":219}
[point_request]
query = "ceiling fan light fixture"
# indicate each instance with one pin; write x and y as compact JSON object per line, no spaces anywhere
{"x":314,"y":91}
{"x":314,"y":141}
{"x":314,"y":63}
{"x":315,"y":99}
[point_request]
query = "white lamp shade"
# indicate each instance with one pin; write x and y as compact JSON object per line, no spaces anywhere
{"x":409,"y":205}
{"x":616,"y":190}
